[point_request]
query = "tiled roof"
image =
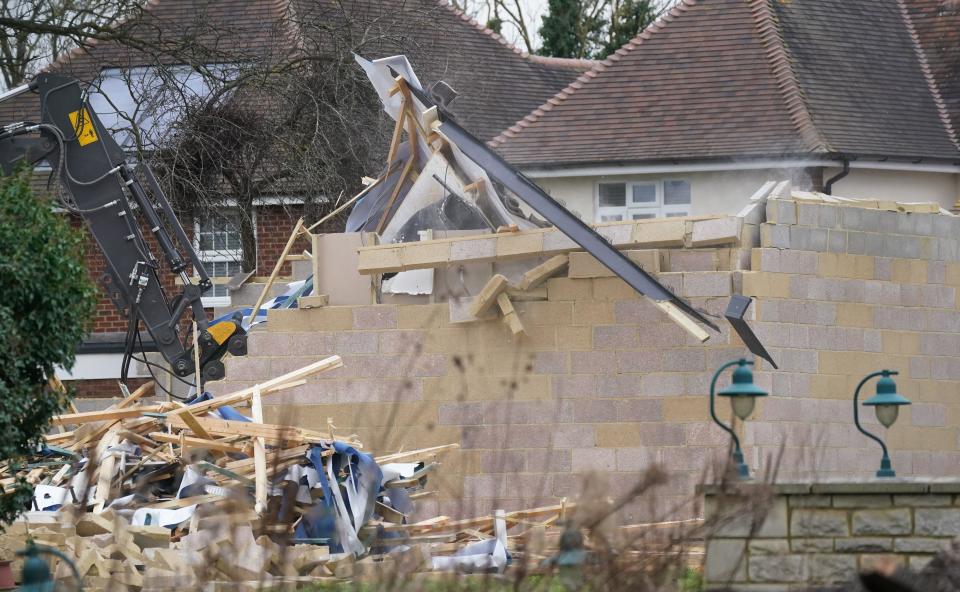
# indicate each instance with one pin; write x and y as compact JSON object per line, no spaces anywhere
{"x":937,"y":24}
{"x":498,"y":83}
{"x":730,"y":79}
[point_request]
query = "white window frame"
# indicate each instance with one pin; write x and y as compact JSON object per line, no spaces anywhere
{"x":218,"y":256}
{"x":658,"y":208}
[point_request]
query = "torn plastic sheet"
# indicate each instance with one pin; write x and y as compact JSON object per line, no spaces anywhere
{"x":350,"y":481}
{"x":49,"y":498}
{"x":484,"y":197}
{"x":162,"y":516}
{"x":488,"y":555}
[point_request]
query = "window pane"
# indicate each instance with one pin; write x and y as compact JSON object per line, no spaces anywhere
{"x":644,"y":193}
{"x":612,"y":218}
{"x":644,"y":216}
{"x":677,"y":214}
{"x":613,"y":194}
{"x":676,"y":192}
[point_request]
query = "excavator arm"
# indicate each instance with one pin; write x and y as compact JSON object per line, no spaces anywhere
{"x":117,"y":199}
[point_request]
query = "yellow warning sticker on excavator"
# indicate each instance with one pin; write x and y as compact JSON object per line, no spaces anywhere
{"x":83,"y":126}
{"x":222,"y":331}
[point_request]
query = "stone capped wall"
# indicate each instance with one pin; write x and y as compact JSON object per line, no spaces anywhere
{"x":603,"y":385}
{"x":824,"y":533}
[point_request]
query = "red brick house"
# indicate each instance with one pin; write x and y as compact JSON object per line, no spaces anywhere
{"x":497,"y":83}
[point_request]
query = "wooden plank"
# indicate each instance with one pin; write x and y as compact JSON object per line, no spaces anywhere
{"x":510,"y":316}
{"x":273,"y":434}
{"x":108,"y":415}
{"x":315,"y":301}
{"x":259,"y":455}
{"x":488,"y":296}
{"x":105,"y":470}
{"x":681,"y":318}
{"x":415,"y":455}
{"x":201,"y":443}
{"x":297,"y":228}
{"x":543,"y":272}
{"x":270,"y":386}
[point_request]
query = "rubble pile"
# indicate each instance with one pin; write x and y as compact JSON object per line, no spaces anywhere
{"x":175,"y":494}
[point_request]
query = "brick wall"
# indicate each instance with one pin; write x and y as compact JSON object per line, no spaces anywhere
{"x":825,"y":533}
{"x":274,"y":224}
{"x":604,"y":383}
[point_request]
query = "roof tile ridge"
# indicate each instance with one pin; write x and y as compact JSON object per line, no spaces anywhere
{"x":780,"y":62}
{"x":678,"y":9}
{"x":928,"y":74}
{"x":483,"y":29}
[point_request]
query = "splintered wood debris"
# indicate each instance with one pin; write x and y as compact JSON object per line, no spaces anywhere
{"x":157,"y":495}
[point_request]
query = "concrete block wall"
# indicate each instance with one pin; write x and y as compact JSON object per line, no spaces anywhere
{"x":824,"y":533}
{"x":603,"y":385}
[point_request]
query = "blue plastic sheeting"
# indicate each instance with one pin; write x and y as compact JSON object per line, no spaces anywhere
{"x":350,"y":483}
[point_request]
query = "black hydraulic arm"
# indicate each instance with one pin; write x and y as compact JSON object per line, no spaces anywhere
{"x":105,"y":190}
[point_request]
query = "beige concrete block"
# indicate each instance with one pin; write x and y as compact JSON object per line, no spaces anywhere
{"x":855,"y":315}
{"x":762,"y":284}
{"x":900,"y":342}
{"x":585,"y":265}
{"x":659,"y":233}
{"x":474,"y":249}
{"x":909,"y":271}
{"x":545,"y":313}
{"x":591,"y":312}
{"x":720,"y":231}
{"x":686,"y":409}
{"x":618,"y":435}
{"x":577,"y":338}
{"x":952,"y":276}
{"x":425,"y":253}
{"x":332,"y":318}
{"x":446,"y":340}
{"x":422,"y":316}
{"x":380,"y":259}
{"x":569,"y":289}
{"x":612,"y":288}
{"x":519,"y":244}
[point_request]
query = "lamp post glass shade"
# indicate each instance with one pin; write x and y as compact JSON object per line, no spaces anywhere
{"x":742,"y":392}
{"x":886,"y":403}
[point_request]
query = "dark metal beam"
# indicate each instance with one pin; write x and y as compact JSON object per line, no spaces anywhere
{"x":556,"y":214}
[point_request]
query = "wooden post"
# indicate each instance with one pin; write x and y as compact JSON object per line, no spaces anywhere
{"x":276,"y":270}
{"x":259,"y":454}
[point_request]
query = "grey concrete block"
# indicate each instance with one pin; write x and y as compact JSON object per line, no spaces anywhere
{"x":863,"y":545}
{"x":774,"y":523}
{"x":778,"y":568}
{"x":810,"y":501}
{"x":781,"y":211}
{"x":807,"y":214}
{"x":818,"y":239}
{"x":920,"y":544}
{"x":862,"y":501}
{"x":819,"y":523}
{"x":769,"y":546}
{"x":837,"y":241}
{"x":893,"y":521}
{"x":856,"y":242}
{"x":924,"y":501}
{"x":831,"y":569}
{"x":802,"y":545}
{"x":873,"y":244}
{"x":725,"y":561}
{"x":938,"y":522}
{"x":828,"y":216}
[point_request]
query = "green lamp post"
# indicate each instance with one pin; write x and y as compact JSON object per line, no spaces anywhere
{"x":743,"y":398}
{"x":886,"y":404}
{"x":35,"y":576}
